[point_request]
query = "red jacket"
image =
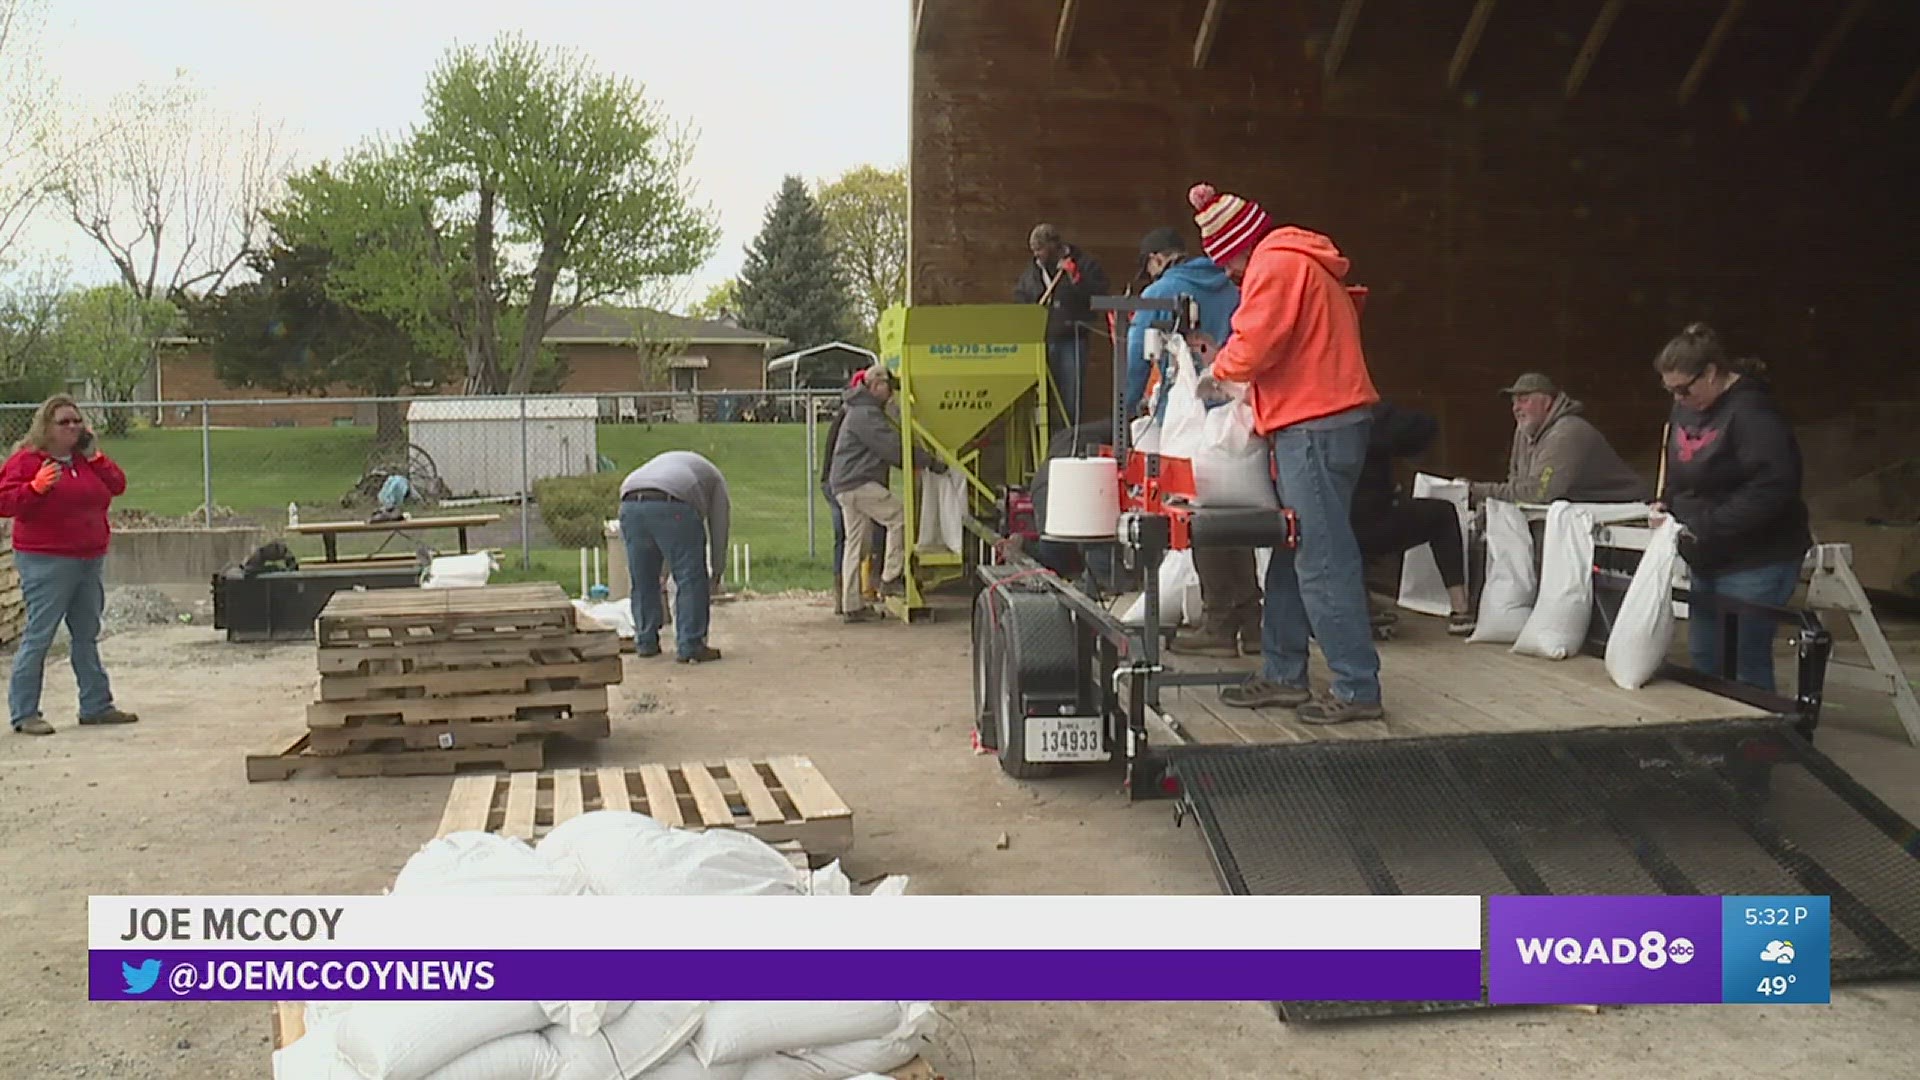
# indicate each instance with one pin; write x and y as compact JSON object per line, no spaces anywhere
{"x":1296,"y":333}
{"x":71,"y":518}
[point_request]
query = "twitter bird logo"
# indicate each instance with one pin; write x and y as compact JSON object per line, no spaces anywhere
{"x":140,"y":979}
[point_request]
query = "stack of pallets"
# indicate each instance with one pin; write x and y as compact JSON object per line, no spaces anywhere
{"x":13,"y":606}
{"x":417,"y":681}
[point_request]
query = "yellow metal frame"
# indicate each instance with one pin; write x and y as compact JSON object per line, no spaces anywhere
{"x":974,"y":392}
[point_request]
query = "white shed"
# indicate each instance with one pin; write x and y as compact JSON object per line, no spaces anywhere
{"x":476,"y":442}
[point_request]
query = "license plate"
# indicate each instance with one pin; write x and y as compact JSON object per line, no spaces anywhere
{"x":1064,"y":738}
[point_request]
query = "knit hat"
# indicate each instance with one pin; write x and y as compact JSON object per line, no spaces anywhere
{"x":1229,"y":224}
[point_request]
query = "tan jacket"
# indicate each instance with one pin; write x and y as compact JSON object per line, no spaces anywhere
{"x":1567,"y":458}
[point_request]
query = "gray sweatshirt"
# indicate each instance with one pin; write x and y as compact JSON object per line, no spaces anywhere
{"x":695,"y":481}
{"x":868,"y":446}
{"x":1567,"y":458}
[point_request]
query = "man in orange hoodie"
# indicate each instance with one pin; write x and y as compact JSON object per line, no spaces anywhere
{"x":1296,"y":342}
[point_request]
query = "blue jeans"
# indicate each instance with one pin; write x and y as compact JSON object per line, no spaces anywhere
{"x":673,"y":535}
{"x":1753,"y":646}
{"x":59,"y":589}
{"x":1319,"y":589}
{"x":1066,"y":359}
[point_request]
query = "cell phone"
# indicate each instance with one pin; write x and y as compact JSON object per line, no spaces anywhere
{"x":86,"y":441}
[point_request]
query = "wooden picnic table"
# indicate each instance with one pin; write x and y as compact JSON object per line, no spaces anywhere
{"x":330,"y":532}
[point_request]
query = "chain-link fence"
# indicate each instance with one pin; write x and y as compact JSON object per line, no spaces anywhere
{"x":539,"y":474}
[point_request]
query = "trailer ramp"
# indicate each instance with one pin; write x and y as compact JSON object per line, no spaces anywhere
{"x":1700,"y":808}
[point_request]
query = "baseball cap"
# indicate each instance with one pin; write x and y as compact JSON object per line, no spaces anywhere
{"x":1531,"y":383}
{"x":1162,"y":239}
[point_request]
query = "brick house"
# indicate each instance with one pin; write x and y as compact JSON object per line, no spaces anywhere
{"x":607,"y":350}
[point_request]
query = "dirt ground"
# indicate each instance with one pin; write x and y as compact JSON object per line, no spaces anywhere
{"x":164,"y":807}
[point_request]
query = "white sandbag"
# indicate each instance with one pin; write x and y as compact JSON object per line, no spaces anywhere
{"x":891,"y":885}
{"x":829,"y":880}
{"x":847,"y":1060}
{"x":483,"y":864}
{"x":1176,"y":574}
{"x":644,"y":860}
{"x":615,"y":613}
{"x":1422,"y":589}
{"x":1144,"y":435}
{"x":684,"y":1066}
{"x":516,"y":1057}
{"x":584,"y":1017}
{"x":736,"y":1031}
{"x":943,"y":510}
{"x":459,"y":571}
{"x":1506,"y":597}
{"x":1561,"y":611}
{"x":642,"y":1038}
{"x":1643,"y":629}
{"x":314,"y":1056}
{"x":1233,"y":467}
{"x":410,"y":1040}
{"x":597,"y":836}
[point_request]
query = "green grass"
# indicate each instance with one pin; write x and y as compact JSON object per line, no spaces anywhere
{"x":257,"y":471}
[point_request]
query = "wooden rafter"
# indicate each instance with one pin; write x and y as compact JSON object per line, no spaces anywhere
{"x":919,"y":18}
{"x":1342,"y":35}
{"x":1823,"y":55}
{"x":1904,"y":100}
{"x":1469,"y":42}
{"x":1063,"y":33}
{"x":1209,"y":25}
{"x":1590,"y":49}
{"x":1710,"y":49}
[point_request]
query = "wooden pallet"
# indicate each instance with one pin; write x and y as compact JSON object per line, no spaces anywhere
{"x":290,"y":1024}
{"x":424,"y":710}
{"x":778,"y":799}
{"x":482,"y":613}
{"x":479,"y":679}
{"x":399,"y":658}
{"x":357,"y":738}
{"x":299,"y":757}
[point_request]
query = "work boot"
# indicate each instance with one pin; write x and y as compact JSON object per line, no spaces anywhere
{"x":1334,"y":711}
{"x":111,"y":716}
{"x":839,"y":597}
{"x":706,"y":654}
{"x":33,"y":725}
{"x":1260,"y":693}
{"x":896,"y":587}
{"x":863,"y":615}
{"x":1211,"y":641}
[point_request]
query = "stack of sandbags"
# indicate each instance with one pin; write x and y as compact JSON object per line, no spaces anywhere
{"x":609,"y":853}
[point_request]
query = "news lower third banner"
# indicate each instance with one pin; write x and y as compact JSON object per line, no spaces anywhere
{"x":932,"y":948}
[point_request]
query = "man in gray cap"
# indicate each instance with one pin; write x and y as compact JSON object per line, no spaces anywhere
{"x":1558,"y":453}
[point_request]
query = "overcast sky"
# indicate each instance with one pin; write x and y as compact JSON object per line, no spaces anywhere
{"x":811,"y":87}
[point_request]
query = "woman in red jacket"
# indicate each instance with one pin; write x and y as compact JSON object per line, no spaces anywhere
{"x":56,"y":487}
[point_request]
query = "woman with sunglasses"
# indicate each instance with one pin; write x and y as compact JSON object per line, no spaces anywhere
{"x":1733,"y":484}
{"x":56,"y":487}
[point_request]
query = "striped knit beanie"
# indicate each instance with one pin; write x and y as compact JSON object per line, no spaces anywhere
{"x":1229,"y":224}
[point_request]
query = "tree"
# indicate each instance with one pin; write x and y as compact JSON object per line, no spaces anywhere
{"x":169,"y":190}
{"x":790,"y":284}
{"x":721,"y":302}
{"x":866,"y":212}
{"x":109,"y":337}
{"x":30,"y":368}
{"x":285,"y":332}
{"x":573,"y":169}
{"x":26,"y":121}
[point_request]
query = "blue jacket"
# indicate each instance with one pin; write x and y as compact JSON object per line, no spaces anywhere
{"x":1218,"y":297}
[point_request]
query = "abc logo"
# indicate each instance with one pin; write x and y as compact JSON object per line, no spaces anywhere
{"x":1656,"y":951}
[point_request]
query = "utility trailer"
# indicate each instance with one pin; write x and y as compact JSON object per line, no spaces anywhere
{"x":1492,"y":774}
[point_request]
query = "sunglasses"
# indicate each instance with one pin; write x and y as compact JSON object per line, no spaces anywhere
{"x":75,"y":422}
{"x":1684,"y":388}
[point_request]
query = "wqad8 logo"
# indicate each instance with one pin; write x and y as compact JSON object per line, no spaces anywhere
{"x":1652,"y":950}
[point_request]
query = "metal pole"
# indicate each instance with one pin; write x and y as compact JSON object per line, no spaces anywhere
{"x":526,"y":493}
{"x":812,"y":471}
{"x":206,"y":462}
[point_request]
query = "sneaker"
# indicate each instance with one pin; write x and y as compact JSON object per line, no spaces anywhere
{"x":1206,"y":643}
{"x":111,"y":716}
{"x":706,"y":654}
{"x":1461,"y":624}
{"x":1335,"y":711}
{"x":1262,"y":693}
{"x":33,"y":725}
{"x":646,"y":650}
{"x":896,"y":587}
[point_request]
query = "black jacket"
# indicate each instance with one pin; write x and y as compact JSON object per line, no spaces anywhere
{"x":1071,"y":301}
{"x":1396,"y":433}
{"x":1733,"y":479}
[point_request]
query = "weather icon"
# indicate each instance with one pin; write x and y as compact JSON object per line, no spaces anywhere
{"x":1777,"y":952}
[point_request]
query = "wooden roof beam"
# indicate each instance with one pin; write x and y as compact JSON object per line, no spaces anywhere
{"x":1063,"y":32}
{"x":1469,"y":42}
{"x":1906,"y":97}
{"x":1590,"y":50}
{"x":1342,"y":36}
{"x":919,"y":17}
{"x":1710,"y":49}
{"x":1209,"y":26}
{"x":1824,"y":54}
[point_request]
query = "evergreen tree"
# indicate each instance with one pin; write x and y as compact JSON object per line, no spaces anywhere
{"x":791,"y":283}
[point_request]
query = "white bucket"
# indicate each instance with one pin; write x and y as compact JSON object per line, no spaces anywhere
{"x":1083,"y":499}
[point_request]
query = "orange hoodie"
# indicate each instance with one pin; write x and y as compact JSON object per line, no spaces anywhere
{"x":1296,"y":334}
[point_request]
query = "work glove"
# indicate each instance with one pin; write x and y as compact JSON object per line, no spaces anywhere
{"x":1072,"y":268}
{"x":44,"y":480}
{"x":1210,"y":389}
